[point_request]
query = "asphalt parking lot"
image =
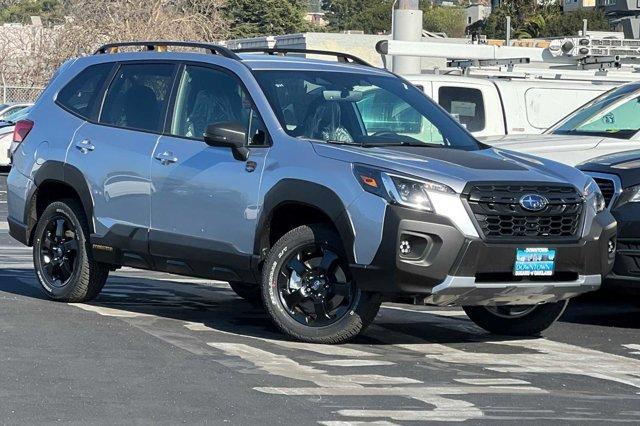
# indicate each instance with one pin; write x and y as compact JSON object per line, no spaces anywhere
{"x":157,"y":348}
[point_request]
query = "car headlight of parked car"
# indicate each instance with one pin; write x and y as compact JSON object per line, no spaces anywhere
{"x":629,"y":195}
{"x":401,"y":190}
{"x":592,"y":193}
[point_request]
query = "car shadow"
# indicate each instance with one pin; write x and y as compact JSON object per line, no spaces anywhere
{"x":217,"y":308}
{"x":604,"y":308}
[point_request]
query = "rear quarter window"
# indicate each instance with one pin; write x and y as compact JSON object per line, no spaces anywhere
{"x":82,"y":94}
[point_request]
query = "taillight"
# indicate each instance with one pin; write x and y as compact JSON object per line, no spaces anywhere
{"x":21,"y":130}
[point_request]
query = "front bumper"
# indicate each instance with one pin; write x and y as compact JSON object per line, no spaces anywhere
{"x":450,"y":269}
{"x":626,"y":270}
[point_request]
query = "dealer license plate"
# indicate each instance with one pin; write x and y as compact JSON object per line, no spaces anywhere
{"x":534,"y":262}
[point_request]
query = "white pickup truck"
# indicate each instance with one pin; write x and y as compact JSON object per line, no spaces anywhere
{"x":506,"y":106}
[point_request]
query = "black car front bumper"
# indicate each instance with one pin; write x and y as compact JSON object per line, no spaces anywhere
{"x":626,"y":270}
{"x":450,"y":269}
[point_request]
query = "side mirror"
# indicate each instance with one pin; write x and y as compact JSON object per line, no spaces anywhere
{"x":230,"y":135}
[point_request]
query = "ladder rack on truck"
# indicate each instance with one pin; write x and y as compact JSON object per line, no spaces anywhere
{"x":577,"y":58}
{"x":498,"y":89}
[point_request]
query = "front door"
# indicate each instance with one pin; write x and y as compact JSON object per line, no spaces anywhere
{"x":204,"y":202}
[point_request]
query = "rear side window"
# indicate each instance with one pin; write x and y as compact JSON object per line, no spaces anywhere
{"x":465,"y":104}
{"x":138,"y":97}
{"x":82,"y":94}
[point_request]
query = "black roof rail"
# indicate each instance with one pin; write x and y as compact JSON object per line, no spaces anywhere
{"x":342,"y":57}
{"x":214,"y":49}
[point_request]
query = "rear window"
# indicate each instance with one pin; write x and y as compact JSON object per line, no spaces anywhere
{"x":81,"y":95}
{"x":465,"y":104}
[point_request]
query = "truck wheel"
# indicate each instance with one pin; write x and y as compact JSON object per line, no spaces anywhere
{"x":308,"y":290}
{"x":62,"y":256}
{"x":249,"y":292}
{"x":524,"y":320}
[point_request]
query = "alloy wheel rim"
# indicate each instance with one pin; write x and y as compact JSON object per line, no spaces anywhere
{"x":58,"y":251}
{"x":511,"y":311}
{"x":315,"y":287}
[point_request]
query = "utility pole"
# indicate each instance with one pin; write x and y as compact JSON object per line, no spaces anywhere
{"x":407,"y":26}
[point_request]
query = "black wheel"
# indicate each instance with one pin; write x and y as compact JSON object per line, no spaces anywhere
{"x":308,"y":290}
{"x":62,"y":256}
{"x":249,"y":292}
{"x":522,"y":320}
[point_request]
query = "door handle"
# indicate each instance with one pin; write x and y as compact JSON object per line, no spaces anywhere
{"x":85,"y":146}
{"x":166,"y":158}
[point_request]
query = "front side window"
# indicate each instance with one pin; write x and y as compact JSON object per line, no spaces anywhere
{"x":138,"y":97}
{"x":465,"y":104}
{"x":207,"y":97}
{"x":359,"y":109}
{"x":82,"y":94}
{"x":614,"y":114}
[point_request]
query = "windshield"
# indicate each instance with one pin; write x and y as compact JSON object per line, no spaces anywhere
{"x":359,"y":109}
{"x":615,"y":114}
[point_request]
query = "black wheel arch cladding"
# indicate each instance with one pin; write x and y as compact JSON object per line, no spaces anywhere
{"x":307,"y":194}
{"x":66,"y":174}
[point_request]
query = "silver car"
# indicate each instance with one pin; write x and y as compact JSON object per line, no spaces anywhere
{"x":317,"y":188}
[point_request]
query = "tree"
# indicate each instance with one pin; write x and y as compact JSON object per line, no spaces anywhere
{"x":370,"y":16}
{"x":20,"y":11}
{"x":250,"y":18}
{"x":530,"y":20}
{"x":449,"y":20}
{"x":374,"y":16}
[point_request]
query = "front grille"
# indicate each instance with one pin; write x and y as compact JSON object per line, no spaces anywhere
{"x":501,"y":218}
{"x":607,"y":187}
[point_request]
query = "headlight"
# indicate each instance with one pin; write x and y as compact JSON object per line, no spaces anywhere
{"x":408,"y":192}
{"x":629,"y":195}
{"x":592,"y":192}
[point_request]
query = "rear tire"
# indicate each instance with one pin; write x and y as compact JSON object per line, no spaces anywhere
{"x":524,"y":321}
{"x":308,"y":291}
{"x":249,"y":292}
{"x":62,"y":254}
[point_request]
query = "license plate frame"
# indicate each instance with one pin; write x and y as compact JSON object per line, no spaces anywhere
{"x":535,"y":262}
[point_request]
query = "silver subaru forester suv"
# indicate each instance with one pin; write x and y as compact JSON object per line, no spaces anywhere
{"x":317,"y":188}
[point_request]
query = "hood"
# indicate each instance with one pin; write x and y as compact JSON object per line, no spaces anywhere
{"x":629,"y":174}
{"x":532,"y":143}
{"x":456,"y":168}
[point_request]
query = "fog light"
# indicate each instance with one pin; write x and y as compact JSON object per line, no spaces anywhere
{"x":611,"y":247}
{"x":405,"y":247}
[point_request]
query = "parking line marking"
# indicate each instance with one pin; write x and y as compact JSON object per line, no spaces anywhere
{"x":353,"y":362}
{"x":493,"y":382}
{"x":330,"y":350}
{"x":429,"y":312}
{"x":109,"y":312}
{"x":284,"y":366}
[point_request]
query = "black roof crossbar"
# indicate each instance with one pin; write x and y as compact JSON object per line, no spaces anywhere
{"x":214,"y":49}
{"x":342,"y":57}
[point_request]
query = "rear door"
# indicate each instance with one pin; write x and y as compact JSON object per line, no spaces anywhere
{"x":204,"y":202}
{"x":114,"y":152}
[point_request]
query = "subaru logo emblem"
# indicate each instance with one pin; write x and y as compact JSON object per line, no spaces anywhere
{"x":533,"y":202}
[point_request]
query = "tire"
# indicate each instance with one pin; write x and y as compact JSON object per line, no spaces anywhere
{"x":356,"y":310}
{"x":532,"y":322}
{"x":250,"y":292}
{"x":87,"y":277}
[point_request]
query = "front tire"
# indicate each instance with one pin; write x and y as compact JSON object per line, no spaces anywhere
{"x":308,"y":290}
{"x":62,"y":254}
{"x":516,"y":320}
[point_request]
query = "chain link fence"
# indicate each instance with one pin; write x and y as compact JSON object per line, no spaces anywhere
{"x":10,"y":94}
